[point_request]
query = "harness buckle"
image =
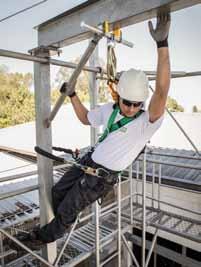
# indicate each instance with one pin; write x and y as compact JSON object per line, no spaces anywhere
{"x":102,"y":172}
{"x":90,"y":171}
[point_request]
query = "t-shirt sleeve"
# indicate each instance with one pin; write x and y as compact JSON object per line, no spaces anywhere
{"x":95,"y":117}
{"x":151,"y":126}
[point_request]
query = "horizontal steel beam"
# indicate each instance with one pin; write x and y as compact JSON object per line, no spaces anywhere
{"x":26,"y":175}
{"x":19,"y":192}
{"x":150,"y":152}
{"x":71,"y":65}
{"x":180,"y":75}
{"x":65,"y":29}
{"x":109,"y":35}
{"x":27,"y":57}
{"x":187,"y":166}
{"x":169,"y":204}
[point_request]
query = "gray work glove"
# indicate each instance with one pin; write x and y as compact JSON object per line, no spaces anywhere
{"x":67,"y":90}
{"x":160,"y":33}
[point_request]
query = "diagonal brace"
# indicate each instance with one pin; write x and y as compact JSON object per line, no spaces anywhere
{"x":130,"y":251}
{"x":180,"y":127}
{"x":26,"y":248}
{"x":66,"y":242}
{"x":152,"y":247}
{"x":74,"y":76}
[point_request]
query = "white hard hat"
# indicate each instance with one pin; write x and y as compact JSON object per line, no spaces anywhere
{"x":133,"y":86}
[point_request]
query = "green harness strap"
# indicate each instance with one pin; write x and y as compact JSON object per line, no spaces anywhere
{"x":111,"y":126}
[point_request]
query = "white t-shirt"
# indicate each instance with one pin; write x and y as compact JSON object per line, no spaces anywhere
{"x":120,"y":148}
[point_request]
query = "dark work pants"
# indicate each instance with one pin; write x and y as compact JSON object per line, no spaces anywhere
{"x":74,"y":192}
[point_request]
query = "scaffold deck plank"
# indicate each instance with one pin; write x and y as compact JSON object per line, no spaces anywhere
{"x":173,"y":223}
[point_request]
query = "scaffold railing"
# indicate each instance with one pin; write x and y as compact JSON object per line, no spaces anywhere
{"x":116,"y":219}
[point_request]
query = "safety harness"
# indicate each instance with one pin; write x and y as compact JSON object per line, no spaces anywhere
{"x":111,"y":126}
{"x":100,"y":172}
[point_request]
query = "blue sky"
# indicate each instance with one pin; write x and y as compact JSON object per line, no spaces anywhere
{"x":17,"y":34}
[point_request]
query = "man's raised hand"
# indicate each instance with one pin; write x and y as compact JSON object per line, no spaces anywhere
{"x":160,"y":33}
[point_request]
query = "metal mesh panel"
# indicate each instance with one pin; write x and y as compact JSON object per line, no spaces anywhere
{"x":69,"y":253}
{"x":173,"y":223}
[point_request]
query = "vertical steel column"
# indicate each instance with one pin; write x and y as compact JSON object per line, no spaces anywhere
{"x":144,"y":209}
{"x":155,"y":255}
{"x":44,"y":140}
{"x":159,"y":185}
{"x":93,"y":90}
{"x":184,"y":254}
{"x":129,"y":259}
{"x":153,"y":183}
{"x":2,"y":250}
{"x":119,"y":220}
{"x":97,"y":211}
{"x":131,"y":191}
{"x":137,"y":178}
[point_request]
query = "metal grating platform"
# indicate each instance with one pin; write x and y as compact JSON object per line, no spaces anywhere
{"x":80,"y":247}
{"x":19,"y":209}
{"x":82,"y":242}
{"x":16,"y":210}
{"x":169,"y":222}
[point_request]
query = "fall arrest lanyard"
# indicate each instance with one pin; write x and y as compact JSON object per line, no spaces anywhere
{"x":111,"y":126}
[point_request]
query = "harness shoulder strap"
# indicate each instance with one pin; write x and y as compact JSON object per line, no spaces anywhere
{"x":111,"y":126}
{"x":124,"y":121}
{"x":109,"y":123}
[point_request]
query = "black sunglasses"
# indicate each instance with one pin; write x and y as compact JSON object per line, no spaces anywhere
{"x":129,"y":103}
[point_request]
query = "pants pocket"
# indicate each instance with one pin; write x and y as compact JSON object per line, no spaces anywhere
{"x":92,"y":188}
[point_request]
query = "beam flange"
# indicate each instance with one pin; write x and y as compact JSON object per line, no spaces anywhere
{"x":65,"y":29}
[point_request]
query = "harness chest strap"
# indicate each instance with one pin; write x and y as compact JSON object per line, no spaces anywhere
{"x":111,"y":126}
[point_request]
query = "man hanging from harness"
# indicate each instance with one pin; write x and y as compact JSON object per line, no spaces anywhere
{"x":128,"y":127}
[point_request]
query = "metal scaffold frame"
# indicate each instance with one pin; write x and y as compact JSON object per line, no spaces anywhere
{"x":115,"y":208}
{"x":120,"y":235}
{"x":42,"y":58}
{"x":131,"y":217}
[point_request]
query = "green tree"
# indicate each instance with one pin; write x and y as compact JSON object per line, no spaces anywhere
{"x":82,"y":85}
{"x":173,"y":106}
{"x":63,"y":75}
{"x":16,"y":100}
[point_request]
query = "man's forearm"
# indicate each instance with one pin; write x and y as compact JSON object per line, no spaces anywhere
{"x":80,"y":110}
{"x":160,"y":36}
{"x":163,"y":72}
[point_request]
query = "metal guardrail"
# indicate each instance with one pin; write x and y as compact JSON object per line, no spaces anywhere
{"x":83,"y":238}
